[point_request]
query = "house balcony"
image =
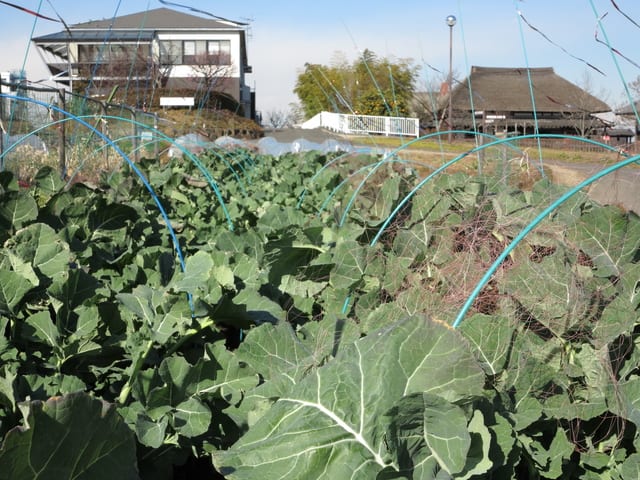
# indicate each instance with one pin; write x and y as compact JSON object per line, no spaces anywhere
{"x":65,"y":72}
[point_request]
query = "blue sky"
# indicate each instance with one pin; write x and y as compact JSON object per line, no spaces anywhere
{"x":284,"y":34}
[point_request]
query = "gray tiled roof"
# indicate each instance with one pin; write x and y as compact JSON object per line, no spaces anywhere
{"x":156,"y":19}
{"x":97,"y":36}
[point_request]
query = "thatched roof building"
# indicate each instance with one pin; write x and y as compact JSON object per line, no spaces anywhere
{"x":503,"y":99}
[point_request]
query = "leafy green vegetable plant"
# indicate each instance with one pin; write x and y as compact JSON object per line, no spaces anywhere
{"x":293,"y":345}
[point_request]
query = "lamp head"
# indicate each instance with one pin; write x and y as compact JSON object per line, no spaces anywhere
{"x":451,"y":20}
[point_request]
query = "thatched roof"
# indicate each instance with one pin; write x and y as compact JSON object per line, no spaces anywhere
{"x":629,"y":109}
{"x":510,"y":89}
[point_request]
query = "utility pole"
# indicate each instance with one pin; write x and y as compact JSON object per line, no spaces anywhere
{"x":451,"y":21}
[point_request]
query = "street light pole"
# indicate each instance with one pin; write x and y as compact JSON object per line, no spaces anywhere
{"x":451,"y":21}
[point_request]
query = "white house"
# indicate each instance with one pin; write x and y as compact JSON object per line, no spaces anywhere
{"x":159,"y":48}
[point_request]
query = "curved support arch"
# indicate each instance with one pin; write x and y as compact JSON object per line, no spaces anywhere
{"x":404,"y":146}
{"x":165,"y":217}
{"x":240,"y":163}
{"x":81,"y":119}
{"x":324,"y":167}
{"x":360,"y":170}
{"x":523,"y":233}
{"x":460,"y":157}
{"x":156,"y":139}
{"x":526,"y":230}
{"x":202,"y":168}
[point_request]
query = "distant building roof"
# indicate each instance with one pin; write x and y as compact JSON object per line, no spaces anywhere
{"x":510,"y":90}
{"x":629,"y":109}
{"x":135,"y":27}
{"x":138,"y":26}
{"x":96,"y":36}
{"x":158,"y":18}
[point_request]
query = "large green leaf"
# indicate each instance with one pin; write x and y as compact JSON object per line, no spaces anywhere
{"x":332,"y":423}
{"x":143,"y":302}
{"x":610,"y":237}
{"x":549,"y":291}
{"x":283,"y":357}
{"x":47,"y":182}
{"x":16,"y":210}
{"x":428,"y":206}
{"x":40,"y":328}
{"x":631,"y":466}
{"x":74,"y":288}
{"x":549,"y":458}
{"x":110,"y":217}
{"x":491,"y":335}
{"x":196,"y":273}
{"x":276,"y":352}
{"x":350,"y":263}
{"x":249,"y":307}
{"x":151,"y":433}
{"x":300,"y":288}
{"x":624,"y":399}
{"x":478,"y":461}
{"x":385,"y":199}
{"x":533,"y":365}
{"x":192,"y":417}
{"x":8,"y":182}
{"x":13,"y":288}
{"x":618,"y":318}
{"x":71,"y":437}
{"x":154,"y":307}
{"x":428,"y":433}
{"x":328,"y":336}
{"x":39,"y":245}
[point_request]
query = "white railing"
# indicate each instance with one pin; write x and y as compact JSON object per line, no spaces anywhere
{"x":364,"y":124}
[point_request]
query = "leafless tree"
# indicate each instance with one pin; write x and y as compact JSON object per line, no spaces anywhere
{"x":583,"y":121}
{"x":296,"y":113}
{"x":277,"y":119}
{"x":132,"y":66}
{"x":430,"y":100}
{"x":212,"y":72}
{"x":634,"y":86}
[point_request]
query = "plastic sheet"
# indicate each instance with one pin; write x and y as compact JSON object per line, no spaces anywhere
{"x":192,"y":142}
{"x":271,"y":146}
{"x":32,"y":141}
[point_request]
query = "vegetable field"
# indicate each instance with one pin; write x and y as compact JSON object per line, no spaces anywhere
{"x":316,"y":316}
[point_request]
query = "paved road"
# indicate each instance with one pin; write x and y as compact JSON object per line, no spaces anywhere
{"x":315,"y":135}
{"x":620,"y":187}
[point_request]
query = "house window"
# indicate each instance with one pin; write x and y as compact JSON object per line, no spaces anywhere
{"x":171,"y":52}
{"x":112,"y":52}
{"x":195,"y":52}
{"x":88,"y":53}
{"x":219,"y":52}
{"x":189,"y":49}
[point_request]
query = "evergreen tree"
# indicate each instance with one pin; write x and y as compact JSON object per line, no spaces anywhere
{"x":368,"y":86}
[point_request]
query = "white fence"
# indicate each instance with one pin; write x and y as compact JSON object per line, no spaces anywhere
{"x":364,"y":124}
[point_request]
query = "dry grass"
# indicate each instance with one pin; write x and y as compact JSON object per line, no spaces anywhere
{"x":209,"y":123}
{"x":569,"y":155}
